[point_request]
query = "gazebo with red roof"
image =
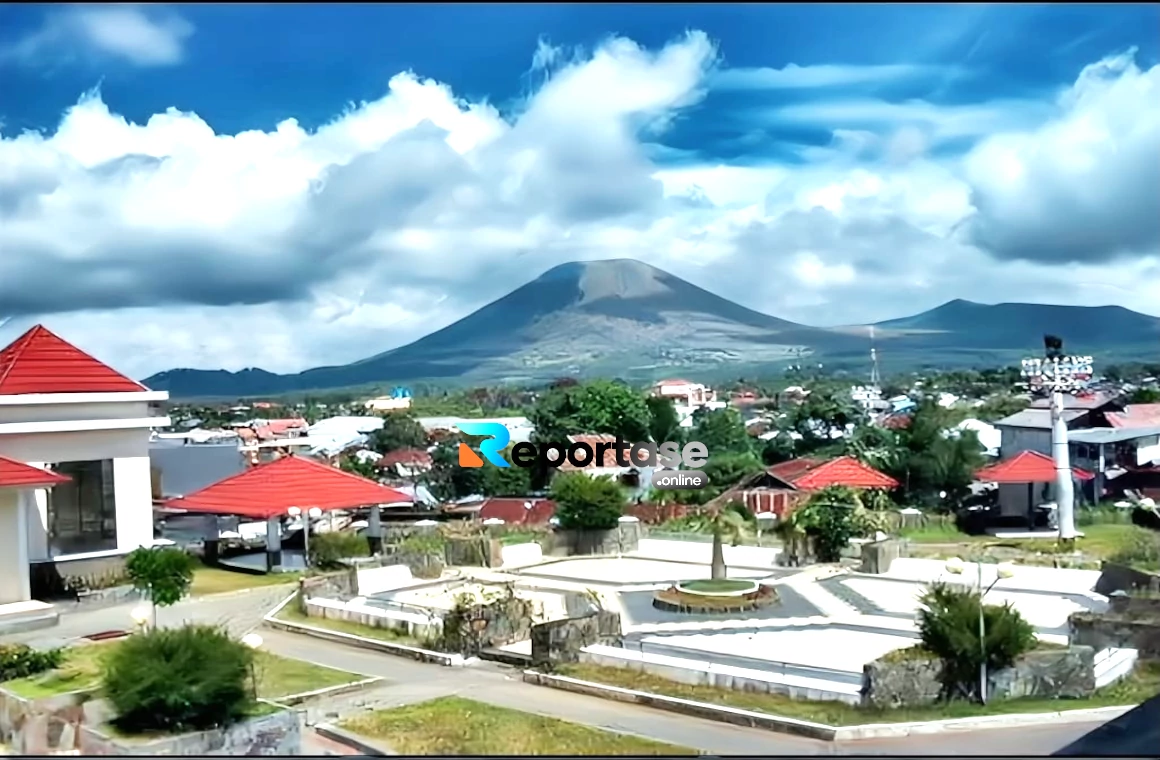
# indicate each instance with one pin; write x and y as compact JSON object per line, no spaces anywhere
{"x":268,"y":492}
{"x":15,"y":477}
{"x":1027,"y":467}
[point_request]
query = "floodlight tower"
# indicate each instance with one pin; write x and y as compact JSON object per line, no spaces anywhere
{"x":875,"y":377}
{"x":1052,"y":377}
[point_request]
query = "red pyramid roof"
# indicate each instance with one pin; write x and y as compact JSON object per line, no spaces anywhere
{"x":14,"y":474}
{"x":272,"y":488}
{"x":1026,"y":467}
{"x":41,"y":362}
{"x":813,"y":474}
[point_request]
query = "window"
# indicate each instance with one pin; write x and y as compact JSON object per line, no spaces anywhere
{"x":82,"y":513}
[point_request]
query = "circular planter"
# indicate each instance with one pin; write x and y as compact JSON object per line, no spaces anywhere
{"x":714,"y":597}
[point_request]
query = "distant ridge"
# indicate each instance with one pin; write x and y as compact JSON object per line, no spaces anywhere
{"x":625,"y":318}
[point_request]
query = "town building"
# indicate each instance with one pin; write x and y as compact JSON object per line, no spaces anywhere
{"x":687,"y":398}
{"x":66,"y":413}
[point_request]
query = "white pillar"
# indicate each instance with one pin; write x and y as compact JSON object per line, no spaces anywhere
{"x":1064,"y":487}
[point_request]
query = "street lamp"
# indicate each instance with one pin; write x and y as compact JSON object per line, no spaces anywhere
{"x":311,"y":514}
{"x":141,"y":617}
{"x":1052,"y":377}
{"x":1004,"y":570}
{"x":254,"y":642}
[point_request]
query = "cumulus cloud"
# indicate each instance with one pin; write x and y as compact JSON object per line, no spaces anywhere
{"x":141,"y":36}
{"x":1085,"y":186}
{"x":167,"y":244}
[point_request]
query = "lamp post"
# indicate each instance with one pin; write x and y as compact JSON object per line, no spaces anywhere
{"x":141,"y":617}
{"x":254,"y":642}
{"x":311,"y":514}
{"x":1051,"y":377}
{"x":1003,"y":570}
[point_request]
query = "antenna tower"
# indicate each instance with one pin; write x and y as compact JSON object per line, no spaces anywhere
{"x":875,"y":377}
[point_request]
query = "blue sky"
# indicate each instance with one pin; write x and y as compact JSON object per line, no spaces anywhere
{"x":350,"y":177}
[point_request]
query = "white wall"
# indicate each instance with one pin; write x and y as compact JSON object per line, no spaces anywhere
{"x":75,"y":447}
{"x":131,"y":410}
{"x":13,"y":556}
{"x":134,"y":494}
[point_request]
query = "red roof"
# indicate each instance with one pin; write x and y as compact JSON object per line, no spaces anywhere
{"x":813,"y":474}
{"x":272,"y":488}
{"x":40,"y":362}
{"x":514,"y":512}
{"x":609,"y":459}
{"x":409,"y":457}
{"x":15,"y":474}
{"x":1135,"y":415}
{"x":1026,"y":467}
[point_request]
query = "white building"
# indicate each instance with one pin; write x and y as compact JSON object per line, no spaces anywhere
{"x":388,"y":404}
{"x":65,"y":412}
{"x":687,"y":398}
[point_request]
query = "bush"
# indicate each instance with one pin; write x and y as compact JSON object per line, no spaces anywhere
{"x":949,"y":627}
{"x":584,"y":503}
{"x":178,"y":679}
{"x":328,"y":550}
{"x":1141,"y":549}
{"x":22,"y":661}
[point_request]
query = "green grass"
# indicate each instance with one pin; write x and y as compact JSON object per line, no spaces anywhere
{"x":457,"y":726}
{"x":1142,"y":685}
{"x":216,"y":580}
{"x":290,"y":614}
{"x":81,"y":671}
{"x":716,"y":586}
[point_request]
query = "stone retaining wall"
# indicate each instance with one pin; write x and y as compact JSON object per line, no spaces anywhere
{"x":1068,"y":673}
{"x":560,"y":641}
{"x":279,"y":733}
{"x":46,"y":725}
{"x":1128,"y":627}
{"x":1117,"y":577}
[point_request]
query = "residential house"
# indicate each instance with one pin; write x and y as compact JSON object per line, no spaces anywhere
{"x":636,"y":480}
{"x":63,"y":411}
{"x":519,"y":428}
{"x":781,"y":488}
{"x":405,"y":463}
{"x":687,"y":398}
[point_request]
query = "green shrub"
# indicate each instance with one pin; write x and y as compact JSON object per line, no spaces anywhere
{"x":1141,"y":549}
{"x":178,"y":679}
{"x":328,"y":550}
{"x":22,"y":661}
{"x":949,"y":627}
{"x":584,"y":503}
{"x":164,"y":574}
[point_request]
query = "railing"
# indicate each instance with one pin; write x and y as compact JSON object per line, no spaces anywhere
{"x":778,"y":667}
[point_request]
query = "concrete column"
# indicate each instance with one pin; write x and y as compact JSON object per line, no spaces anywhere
{"x":274,"y":543}
{"x":375,"y":530}
{"x":211,"y":540}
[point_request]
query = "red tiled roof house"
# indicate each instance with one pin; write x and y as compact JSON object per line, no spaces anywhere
{"x":65,"y":413}
{"x":782,"y":487}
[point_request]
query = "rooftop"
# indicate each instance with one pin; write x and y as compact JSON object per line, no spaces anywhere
{"x":40,"y":362}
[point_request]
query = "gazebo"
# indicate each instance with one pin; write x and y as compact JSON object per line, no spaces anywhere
{"x":17,"y":478}
{"x":1026,"y":467}
{"x":271,"y":490}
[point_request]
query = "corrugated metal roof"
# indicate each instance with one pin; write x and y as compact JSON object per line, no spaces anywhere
{"x":1111,"y":435}
{"x":41,"y":362}
{"x":186,"y":468}
{"x":1037,"y":418}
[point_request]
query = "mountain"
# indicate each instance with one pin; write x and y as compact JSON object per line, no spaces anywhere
{"x":623,"y":318}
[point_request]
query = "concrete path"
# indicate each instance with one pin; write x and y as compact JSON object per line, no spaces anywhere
{"x":415,"y":682}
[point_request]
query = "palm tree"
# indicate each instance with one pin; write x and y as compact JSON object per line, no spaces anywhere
{"x":725,"y":524}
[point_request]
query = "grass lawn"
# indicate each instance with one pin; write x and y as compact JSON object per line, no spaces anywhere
{"x":290,"y":614}
{"x":1143,"y":685}
{"x":1099,"y":541}
{"x":81,"y":670}
{"x":711,"y":586}
{"x":457,"y":726}
{"x":215,"y":580}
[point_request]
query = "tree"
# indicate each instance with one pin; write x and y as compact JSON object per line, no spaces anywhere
{"x":164,"y":574}
{"x":778,"y":449}
{"x":831,"y":517}
{"x":721,"y":430}
{"x":1145,"y":396}
{"x":599,"y":406}
{"x":364,"y":468}
{"x":448,"y":481}
{"x":948,"y":623}
{"x":584,"y":503}
{"x":506,"y":481}
{"x":930,"y":461}
{"x":726,"y":524}
{"x":400,"y":430}
{"x":664,"y":424}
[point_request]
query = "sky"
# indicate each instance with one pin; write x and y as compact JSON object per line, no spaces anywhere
{"x":230,"y":186}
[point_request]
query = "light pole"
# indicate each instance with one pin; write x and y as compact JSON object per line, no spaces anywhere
{"x":141,"y":618}
{"x":1052,"y":377}
{"x":1003,"y":570}
{"x":254,"y":642}
{"x":311,"y":514}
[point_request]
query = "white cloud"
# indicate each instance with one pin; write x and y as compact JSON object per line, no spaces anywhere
{"x":793,"y":77}
{"x":142,"y":36}
{"x":166,"y":244}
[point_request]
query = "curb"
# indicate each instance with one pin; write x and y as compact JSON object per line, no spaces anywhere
{"x":821,"y":731}
{"x":354,"y":741}
{"x":237,"y":592}
{"x":293,"y":700}
{"x":400,"y":650}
